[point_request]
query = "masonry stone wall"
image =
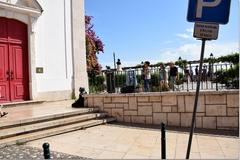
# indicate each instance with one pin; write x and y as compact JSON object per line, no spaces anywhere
{"x":216,"y":109}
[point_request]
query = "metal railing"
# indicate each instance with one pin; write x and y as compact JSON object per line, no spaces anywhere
{"x":214,"y":77}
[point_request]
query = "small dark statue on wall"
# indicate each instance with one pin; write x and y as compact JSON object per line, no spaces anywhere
{"x":80,"y":102}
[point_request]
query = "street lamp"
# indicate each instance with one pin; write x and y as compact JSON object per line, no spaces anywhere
{"x":181,"y":66}
{"x":211,"y":55}
{"x":180,"y":59}
{"x":180,"y":62}
{"x":211,"y":70}
{"x":211,"y":65}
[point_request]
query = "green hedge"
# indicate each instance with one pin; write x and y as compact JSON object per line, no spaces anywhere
{"x":229,"y":77}
{"x":120,"y":80}
{"x":96,"y":84}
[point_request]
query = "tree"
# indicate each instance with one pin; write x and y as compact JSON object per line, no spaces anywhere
{"x":94,"y":46}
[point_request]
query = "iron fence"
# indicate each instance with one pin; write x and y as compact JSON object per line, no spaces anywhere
{"x":214,"y":77}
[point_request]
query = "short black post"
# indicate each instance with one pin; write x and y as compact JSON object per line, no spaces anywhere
{"x":46,"y":151}
{"x":163,"y":140}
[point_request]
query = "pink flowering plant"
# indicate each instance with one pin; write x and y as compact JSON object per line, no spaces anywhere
{"x":94,"y":46}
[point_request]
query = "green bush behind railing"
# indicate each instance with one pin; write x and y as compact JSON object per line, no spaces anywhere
{"x":96,"y":84}
{"x":229,"y":76}
{"x":120,"y":80}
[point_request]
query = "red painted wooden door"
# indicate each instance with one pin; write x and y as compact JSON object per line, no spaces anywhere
{"x":13,"y":61}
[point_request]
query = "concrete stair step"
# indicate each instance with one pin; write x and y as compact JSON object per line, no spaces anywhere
{"x":41,"y":118}
{"x":53,"y":131}
{"x":38,"y":125}
{"x":22,"y":103}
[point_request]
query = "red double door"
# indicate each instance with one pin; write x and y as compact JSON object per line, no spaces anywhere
{"x":14,"y":78}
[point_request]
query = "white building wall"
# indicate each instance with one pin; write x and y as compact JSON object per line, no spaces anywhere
{"x":56,"y":44}
{"x":53,"y":46}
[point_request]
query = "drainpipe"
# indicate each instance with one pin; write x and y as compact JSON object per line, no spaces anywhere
{"x":65,"y":39}
{"x":72,"y":46}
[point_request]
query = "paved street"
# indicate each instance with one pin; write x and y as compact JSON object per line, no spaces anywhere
{"x":124,"y":142}
{"x":26,"y":152}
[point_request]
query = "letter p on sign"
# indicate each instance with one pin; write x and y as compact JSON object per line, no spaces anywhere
{"x":209,"y":11}
{"x":202,"y":4}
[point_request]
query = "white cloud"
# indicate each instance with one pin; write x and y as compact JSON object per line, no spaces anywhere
{"x":184,"y":35}
{"x":189,"y":51}
{"x":192,"y":51}
{"x":187,"y":35}
{"x":190,"y":30}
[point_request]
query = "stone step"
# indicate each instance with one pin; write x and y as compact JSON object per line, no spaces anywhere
{"x":53,"y":131}
{"x":22,"y":103}
{"x":50,"y":123}
{"x":41,"y":118}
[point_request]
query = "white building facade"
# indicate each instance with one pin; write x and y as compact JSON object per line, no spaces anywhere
{"x":42,"y":49}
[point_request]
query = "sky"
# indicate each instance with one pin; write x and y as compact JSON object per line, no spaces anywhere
{"x":155,"y":30}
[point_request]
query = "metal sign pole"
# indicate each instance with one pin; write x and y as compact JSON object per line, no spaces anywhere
{"x":196,"y":99}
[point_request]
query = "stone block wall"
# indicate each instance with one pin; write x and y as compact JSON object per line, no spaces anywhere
{"x":216,"y":109}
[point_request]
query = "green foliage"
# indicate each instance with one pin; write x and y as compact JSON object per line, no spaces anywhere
{"x":96,"y":84}
{"x":232,"y":58}
{"x":19,"y":143}
{"x":159,"y":63}
{"x":229,"y":77}
{"x":99,"y":80}
{"x":120,"y":80}
{"x":233,"y":72}
{"x":180,"y":75}
{"x":96,"y":80}
{"x":139,"y":79}
{"x":181,"y":63}
{"x":155,"y":79}
{"x":155,"y":89}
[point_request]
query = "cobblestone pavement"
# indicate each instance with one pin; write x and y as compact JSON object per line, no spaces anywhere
{"x":25,"y":152}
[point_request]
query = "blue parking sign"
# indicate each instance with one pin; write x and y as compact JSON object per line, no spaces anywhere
{"x":209,"y":11}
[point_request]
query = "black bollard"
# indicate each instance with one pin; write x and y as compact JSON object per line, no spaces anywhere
{"x":46,"y":151}
{"x":163,"y":140}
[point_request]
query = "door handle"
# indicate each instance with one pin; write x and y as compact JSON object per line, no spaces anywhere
{"x":8,"y":75}
{"x":11,"y":75}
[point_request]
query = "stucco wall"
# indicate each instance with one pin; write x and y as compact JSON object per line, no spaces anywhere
{"x":56,"y":42}
{"x":60,"y":49}
{"x":53,"y":46}
{"x":216,"y":110}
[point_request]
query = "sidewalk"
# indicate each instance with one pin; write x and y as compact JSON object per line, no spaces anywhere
{"x":123,"y":142}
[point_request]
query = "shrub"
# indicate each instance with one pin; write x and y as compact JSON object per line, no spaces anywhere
{"x":155,"y":79}
{"x":96,"y":84}
{"x":229,"y":77}
{"x":139,"y":79}
{"x":120,"y":80}
{"x":181,"y":76}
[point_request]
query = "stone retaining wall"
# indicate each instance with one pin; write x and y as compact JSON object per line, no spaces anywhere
{"x":216,"y":109}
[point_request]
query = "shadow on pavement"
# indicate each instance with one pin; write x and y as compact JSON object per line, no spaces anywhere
{"x":226,"y":133}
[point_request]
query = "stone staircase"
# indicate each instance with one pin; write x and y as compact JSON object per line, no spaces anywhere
{"x":23,"y":130}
